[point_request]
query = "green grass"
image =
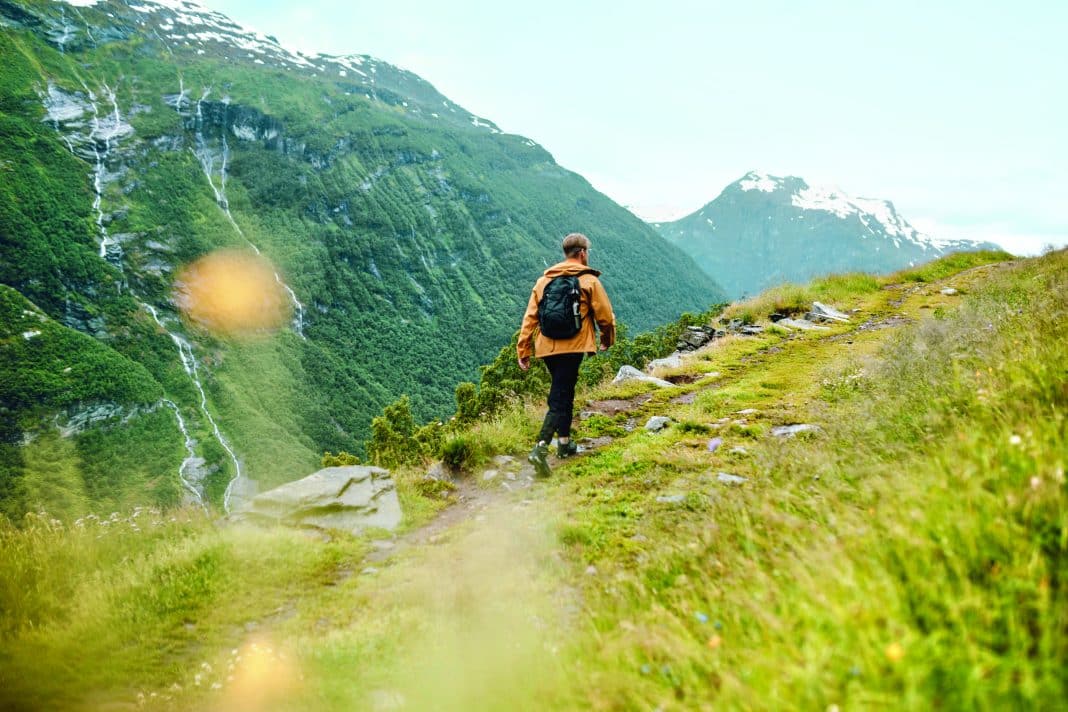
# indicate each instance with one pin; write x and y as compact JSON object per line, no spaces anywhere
{"x":909,"y":555}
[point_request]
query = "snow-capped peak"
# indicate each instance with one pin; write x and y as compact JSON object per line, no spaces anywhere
{"x":878,"y":216}
{"x":872,"y":212}
{"x":763,"y":182}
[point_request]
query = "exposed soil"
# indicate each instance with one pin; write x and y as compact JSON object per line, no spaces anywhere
{"x":615,"y":407}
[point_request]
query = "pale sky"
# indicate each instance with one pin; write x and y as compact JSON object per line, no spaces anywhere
{"x":955,"y":111}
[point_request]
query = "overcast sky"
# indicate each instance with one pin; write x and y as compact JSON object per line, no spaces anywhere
{"x":955,"y":111}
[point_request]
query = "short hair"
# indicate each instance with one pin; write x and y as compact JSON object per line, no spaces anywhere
{"x":575,"y":243}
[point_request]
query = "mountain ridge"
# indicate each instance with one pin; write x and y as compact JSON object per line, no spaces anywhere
{"x":764,"y":229}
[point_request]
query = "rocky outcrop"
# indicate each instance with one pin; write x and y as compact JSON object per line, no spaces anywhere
{"x":351,"y":499}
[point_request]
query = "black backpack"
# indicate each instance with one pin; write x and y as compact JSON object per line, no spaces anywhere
{"x":559,"y":315}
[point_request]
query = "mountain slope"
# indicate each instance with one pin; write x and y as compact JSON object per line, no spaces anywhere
{"x":405,"y":231}
{"x":763,"y":230}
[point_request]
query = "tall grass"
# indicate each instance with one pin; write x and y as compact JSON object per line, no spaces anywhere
{"x":911,"y":556}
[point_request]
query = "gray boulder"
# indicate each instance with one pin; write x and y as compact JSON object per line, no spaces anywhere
{"x":822,"y":312}
{"x":351,"y":498}
{"x":629,"y":373}
{"x":657,"y":423}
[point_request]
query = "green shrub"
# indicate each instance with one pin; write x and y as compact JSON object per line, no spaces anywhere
{"x":460,"y":453}
{"x":393,"y":440}
{"x":342,"y":459}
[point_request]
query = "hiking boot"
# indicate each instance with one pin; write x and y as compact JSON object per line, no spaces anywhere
{"x":539,"y":457}
{"x":567,"y":449}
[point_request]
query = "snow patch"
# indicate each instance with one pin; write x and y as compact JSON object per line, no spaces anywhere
{"x":832,"y":200}
{"x":759,"y":181}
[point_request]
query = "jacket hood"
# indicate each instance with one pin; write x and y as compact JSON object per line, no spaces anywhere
{"x":568,"y":267}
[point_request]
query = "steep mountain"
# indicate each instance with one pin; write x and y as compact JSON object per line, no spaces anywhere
{"x":763,"y":230}
{"x":404,"y":231}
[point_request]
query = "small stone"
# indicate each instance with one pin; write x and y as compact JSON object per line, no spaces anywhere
{"x":701,"y":617}
{"x":714,"y":444}
{"x":788,"y":431}
{"x":489,"y":475}
{"x":370,"y":571}
{"x":738,"y":450}
{"x":671,"y":498}
{"x":591,"y":570}
{"x":657,"y":423}
{"x":729,"y":479}
{"x":503,"y":460}
{"x":949,"y":291}
{"x":747,"y":411}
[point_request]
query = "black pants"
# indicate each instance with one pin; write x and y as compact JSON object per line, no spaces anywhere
{"x":564,"y":370}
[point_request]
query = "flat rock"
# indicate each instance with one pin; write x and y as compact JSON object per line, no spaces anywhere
{"x":671,"y":498}
{"x":351,"y":498}
{"x":729,"y":479}
{"x":828,"y":313}
{"x":629,"y":373}
{"x":801,"y":325}
{"x":949,"y":291}
{"x":788,"y":431}
{"x":657,"y":423}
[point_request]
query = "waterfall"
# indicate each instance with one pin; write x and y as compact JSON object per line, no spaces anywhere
{"x":206,"y":158}
{"x":189,"y":464}
{"x":103,"y":133}
{"x":67,"y":28}
{"x":189,"y":364}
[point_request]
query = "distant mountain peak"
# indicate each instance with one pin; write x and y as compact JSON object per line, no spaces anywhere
{"x":876,"y":215}
{"x":764,"y":229}
{"x":755,"y":180}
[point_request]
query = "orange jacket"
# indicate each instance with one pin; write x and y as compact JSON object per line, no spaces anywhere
{"x":594,"y":299}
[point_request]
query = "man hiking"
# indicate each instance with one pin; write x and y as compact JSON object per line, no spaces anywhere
{"x":563,"y":306}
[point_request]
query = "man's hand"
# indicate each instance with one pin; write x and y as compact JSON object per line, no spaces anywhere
{"x":524,"y":362}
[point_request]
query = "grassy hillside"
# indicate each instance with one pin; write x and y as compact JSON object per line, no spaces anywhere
{"x":909,"y":553}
